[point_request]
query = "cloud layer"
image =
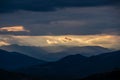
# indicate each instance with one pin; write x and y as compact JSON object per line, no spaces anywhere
{"x":56,"y":24}
{"x":50,"y":5}
{"x":74,"y":21}
{"x":107,"y":41}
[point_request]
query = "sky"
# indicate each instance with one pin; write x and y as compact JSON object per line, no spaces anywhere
{"x":60,"y":22}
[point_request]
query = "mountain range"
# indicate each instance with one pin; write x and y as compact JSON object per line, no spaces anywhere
{"x":42,"y":53}
{"x":71,"y":67}
{"x":75,"y":67}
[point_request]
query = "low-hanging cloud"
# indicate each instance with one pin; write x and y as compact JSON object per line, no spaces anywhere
{"x":13,"y":29}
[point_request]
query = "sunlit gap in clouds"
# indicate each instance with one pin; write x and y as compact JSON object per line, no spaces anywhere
{"x":103,"y":40}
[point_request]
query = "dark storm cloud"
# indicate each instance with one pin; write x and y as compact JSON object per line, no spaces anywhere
{"x":50,"y":5}
{"x":74,"y":21}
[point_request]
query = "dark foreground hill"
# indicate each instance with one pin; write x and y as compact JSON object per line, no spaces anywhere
{"x":6,"y":75}
{"x":113,"y":75}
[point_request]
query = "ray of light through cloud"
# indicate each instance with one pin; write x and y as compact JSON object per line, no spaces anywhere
{"x":107,"y":41}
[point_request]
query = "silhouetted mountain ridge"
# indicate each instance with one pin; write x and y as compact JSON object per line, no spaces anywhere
{"x":76,"y":69}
